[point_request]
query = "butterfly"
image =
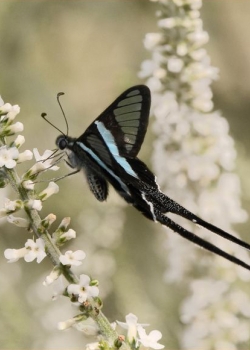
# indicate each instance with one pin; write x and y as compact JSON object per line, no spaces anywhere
{"x":107,"y":153}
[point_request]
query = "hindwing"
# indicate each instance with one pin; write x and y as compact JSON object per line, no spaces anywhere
{"x":98,"y":185}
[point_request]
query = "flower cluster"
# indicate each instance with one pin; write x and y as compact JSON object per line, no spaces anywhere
{"x":193,"y":158}
{"x":179,"y":61}
{"x":10,"y":156}
{"x":31,"y":251}
{"x":137,"y":335}
{"x":31,"y":201}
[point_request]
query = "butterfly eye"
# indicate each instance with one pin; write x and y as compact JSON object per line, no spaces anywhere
{"x":62,"y":143}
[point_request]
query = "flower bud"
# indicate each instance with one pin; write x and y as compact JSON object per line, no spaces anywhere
{"x":49,"y":191}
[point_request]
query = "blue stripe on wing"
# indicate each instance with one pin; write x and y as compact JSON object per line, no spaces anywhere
{"x":110,"y":143}
{"x":103,"y":165}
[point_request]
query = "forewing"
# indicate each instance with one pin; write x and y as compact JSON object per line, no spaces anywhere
{"x":126,"y":119}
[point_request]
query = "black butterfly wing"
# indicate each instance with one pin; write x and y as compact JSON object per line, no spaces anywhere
{"x":113,"y":140}
{"x":127,"y":121}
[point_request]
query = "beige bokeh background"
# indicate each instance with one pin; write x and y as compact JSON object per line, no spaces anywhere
{"x":92,"y":51}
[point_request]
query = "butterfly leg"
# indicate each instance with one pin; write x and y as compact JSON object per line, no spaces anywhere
{"x":66,"y":175}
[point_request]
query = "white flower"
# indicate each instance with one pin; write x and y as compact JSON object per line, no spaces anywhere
{"x":26,"y":155}
{"x":72,"y":258}
{"x":10,"y":207}
{"x":8,"y":156}
{"x":28,"y":184}
{"x":199,"y":37}
{"x":65,"y":223}
{"x":69,"y":323}
{"x":175,"y":64}
{"x":92,"y":346}
{"x":150,"y":340}
{"x":35,"y":170}
{"x":45,"y":159}
{"x":131,"y":325}
{"x":48,"y":220}
{"x":182,"y":49}
{"x":14,"y":128}
{"x":20,"y":222}
{"x":31,"y":251}
{"x":12,"y":113}
{"x":53,"y":276}
{"x":83,"y":289}
{"x":35,"y":250}
{"x":5,"y":108}
{"x":152,"y":39}
{"x":147,"y":68}
{"x":70,"y":234}
{"x":66,"y":324}
{"x":19,"y":141}
{"x":167,"y":22}
{"x":34,"y":204}
{"x":49,"y":191}
{"x":14,"y":254}
{"x":202,"y":104}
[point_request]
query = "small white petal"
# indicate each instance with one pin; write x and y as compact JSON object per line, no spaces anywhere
{"x":72,"y":258}
{"x":28,"y":184}
{"x":1,"y":102}
{"x":49,"y":191}
{"x":15,"y":128}
{"x":14,"y":254}
{"x":167,"y":23}
{"x":66,"y":324}
{"x":53,"y":276}
{"x":20,"y":222}
{"x":5,"y":108}
{"x":151,"y":40}
{"x":73,"y":289}
{"x":70,"y":234}
{"x":11,"y":115}
{"x":175,"y":64}
{"x":26,"y":155}
{"x":8,"y":156}
{"x":35,"y":250}
{"x":93,"y":346}
{"x":45,"y":159}
{"x":150,"y":340}
{"x":19,"y":141}
{"x":35,"y":204}
{"x":84,"y":280}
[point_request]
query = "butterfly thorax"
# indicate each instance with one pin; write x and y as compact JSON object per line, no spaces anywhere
{"x":77,"y":157}
{"x":67,"y":144}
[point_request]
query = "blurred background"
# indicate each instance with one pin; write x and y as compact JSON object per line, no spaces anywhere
{"x":92,"y":50}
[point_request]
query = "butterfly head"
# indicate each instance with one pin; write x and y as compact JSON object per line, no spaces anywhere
{"x":62,"y":142}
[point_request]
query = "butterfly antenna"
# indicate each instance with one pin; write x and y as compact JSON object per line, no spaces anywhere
{"x":44,"y":115}
{"x":58,"y":100}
